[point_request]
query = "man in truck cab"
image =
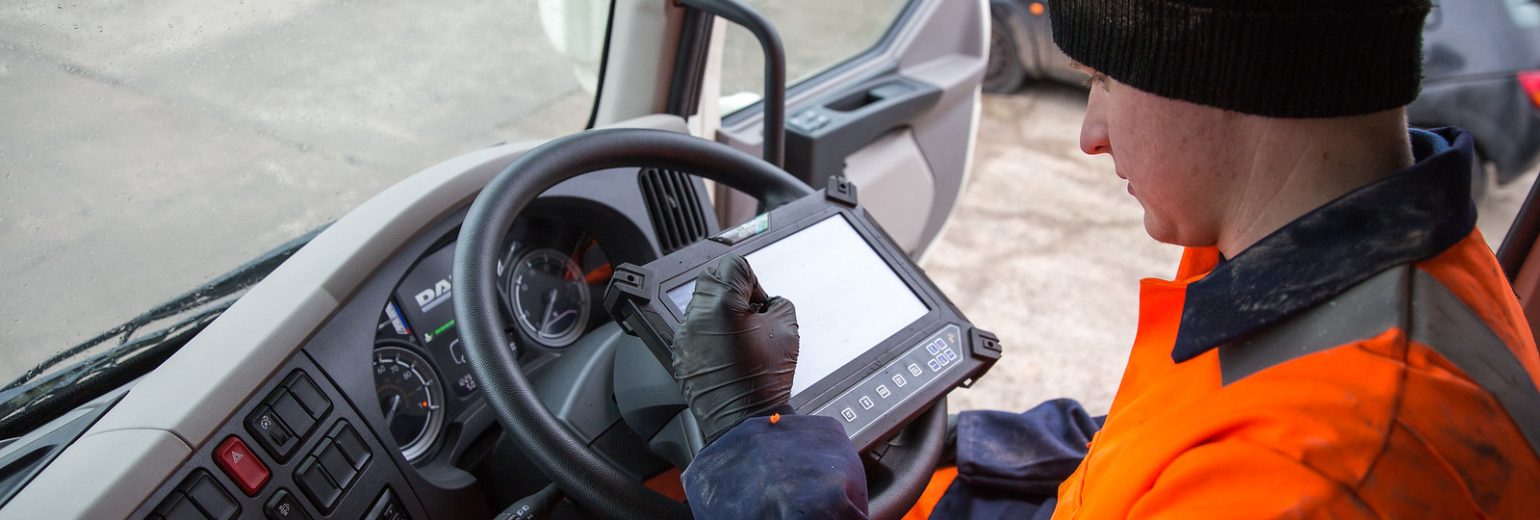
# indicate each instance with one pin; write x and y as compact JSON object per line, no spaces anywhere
{"x":1338,"y":340}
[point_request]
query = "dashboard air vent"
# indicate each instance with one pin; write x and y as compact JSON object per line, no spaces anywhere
{"x":675,"y":208}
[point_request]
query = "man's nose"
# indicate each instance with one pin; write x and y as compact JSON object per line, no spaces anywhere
{"x":1093,"y":129}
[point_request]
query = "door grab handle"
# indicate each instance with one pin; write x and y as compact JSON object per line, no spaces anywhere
{"x":821,"y":136}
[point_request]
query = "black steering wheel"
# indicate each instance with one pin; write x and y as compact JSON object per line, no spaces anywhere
{"x":899,"y":470}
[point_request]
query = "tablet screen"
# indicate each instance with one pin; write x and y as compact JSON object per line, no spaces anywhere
{"x":848,"y":299}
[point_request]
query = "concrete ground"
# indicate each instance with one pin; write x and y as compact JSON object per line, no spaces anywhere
{"x":1048,"y":248}
{"x":146,"y":148}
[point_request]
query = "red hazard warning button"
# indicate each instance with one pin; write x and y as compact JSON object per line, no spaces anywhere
{"x":236,"y":459}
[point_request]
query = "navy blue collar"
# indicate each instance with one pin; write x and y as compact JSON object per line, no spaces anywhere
{"x":1410,"y":216}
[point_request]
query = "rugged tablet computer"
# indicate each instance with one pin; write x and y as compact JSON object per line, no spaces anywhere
{"x":880,"y":343}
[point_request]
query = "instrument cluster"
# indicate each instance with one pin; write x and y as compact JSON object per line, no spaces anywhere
{"x":551,"y":280}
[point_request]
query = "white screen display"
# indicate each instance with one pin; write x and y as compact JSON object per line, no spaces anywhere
{"x":848,"y":299}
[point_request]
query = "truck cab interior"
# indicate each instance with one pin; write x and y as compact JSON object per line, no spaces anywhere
{"x":338,"y":375}
{"x":329,"y":377}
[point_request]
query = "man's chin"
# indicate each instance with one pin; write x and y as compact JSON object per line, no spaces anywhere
{"x":1162,"y":232}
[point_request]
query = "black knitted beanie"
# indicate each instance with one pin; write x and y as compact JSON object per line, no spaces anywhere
{"x":1275,"y":58}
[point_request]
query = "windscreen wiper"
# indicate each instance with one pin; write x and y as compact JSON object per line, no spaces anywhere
{"x":29,"y":400}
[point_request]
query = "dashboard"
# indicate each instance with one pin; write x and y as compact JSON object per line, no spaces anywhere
{"x":550,"y":280}
{"x":418,"y":437}
{"x":335,"y":388}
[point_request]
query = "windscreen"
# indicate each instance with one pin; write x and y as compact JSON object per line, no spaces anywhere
{"x":848,"y":299}
{"x":195,"y":136}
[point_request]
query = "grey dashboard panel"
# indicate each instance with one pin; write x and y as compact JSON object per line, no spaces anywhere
{"x":175,"y":410}
{"x":374,"y":475}
{"x":22,"y":458}
{"x":102,"y":475}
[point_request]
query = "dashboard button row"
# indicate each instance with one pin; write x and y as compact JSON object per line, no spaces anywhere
{"x":332,"y":467}
{"x":281,"y":422}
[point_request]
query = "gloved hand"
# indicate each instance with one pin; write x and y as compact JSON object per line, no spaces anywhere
{"x":736,"y":352}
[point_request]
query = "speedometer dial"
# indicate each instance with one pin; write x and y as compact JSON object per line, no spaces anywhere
{"x":411,"y":398}
{"x":550,"y":297}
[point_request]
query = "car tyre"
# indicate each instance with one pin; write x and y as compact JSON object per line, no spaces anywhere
{"x":1004,"y":73}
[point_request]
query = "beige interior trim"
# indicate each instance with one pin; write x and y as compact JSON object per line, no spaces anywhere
{"x":640,"y":60}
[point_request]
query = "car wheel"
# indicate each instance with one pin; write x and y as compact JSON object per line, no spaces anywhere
{"x":1004,"y":73}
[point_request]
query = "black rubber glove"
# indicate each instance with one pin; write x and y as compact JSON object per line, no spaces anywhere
{"x":736,"y":352}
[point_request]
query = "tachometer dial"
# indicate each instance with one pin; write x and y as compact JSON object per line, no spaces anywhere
{"x":411,"y":398}
{"x":550,"y":297}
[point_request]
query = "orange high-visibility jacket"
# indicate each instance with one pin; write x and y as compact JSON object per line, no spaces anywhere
{"x":1368,"y":361}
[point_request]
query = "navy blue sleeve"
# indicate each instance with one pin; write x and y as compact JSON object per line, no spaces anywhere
{"x":1030,"y":452}
{"x":1010,"y":465}
{"x":800,"y":467}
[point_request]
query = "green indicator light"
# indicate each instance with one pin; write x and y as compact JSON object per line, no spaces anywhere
{"x":444,"y":327}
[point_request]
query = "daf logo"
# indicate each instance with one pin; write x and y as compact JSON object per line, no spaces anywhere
{"x":430,"y":298}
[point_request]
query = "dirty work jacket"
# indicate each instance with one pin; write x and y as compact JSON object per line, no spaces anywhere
{"x":1367,"y":360}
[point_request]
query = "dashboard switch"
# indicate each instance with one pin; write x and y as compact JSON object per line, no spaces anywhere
{"x":350,"y":445}
{"x":340,"y":469}
{"x":210,"y":497}
{"x":241,"y":465}
{"x":313,"y":481}
{"x":295,"y":416}
{"x":387,"y":508}
{"x":305,"y":391}
{"x":179,"y":507}
{"x":271,"y":433}
{"x":283,"y":506}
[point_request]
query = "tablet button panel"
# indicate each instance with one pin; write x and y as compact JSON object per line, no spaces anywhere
{"x":923,"y":363}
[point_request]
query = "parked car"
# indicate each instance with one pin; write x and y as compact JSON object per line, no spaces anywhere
{"x":1481,"y":71}
{"x":1021,"y":47}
